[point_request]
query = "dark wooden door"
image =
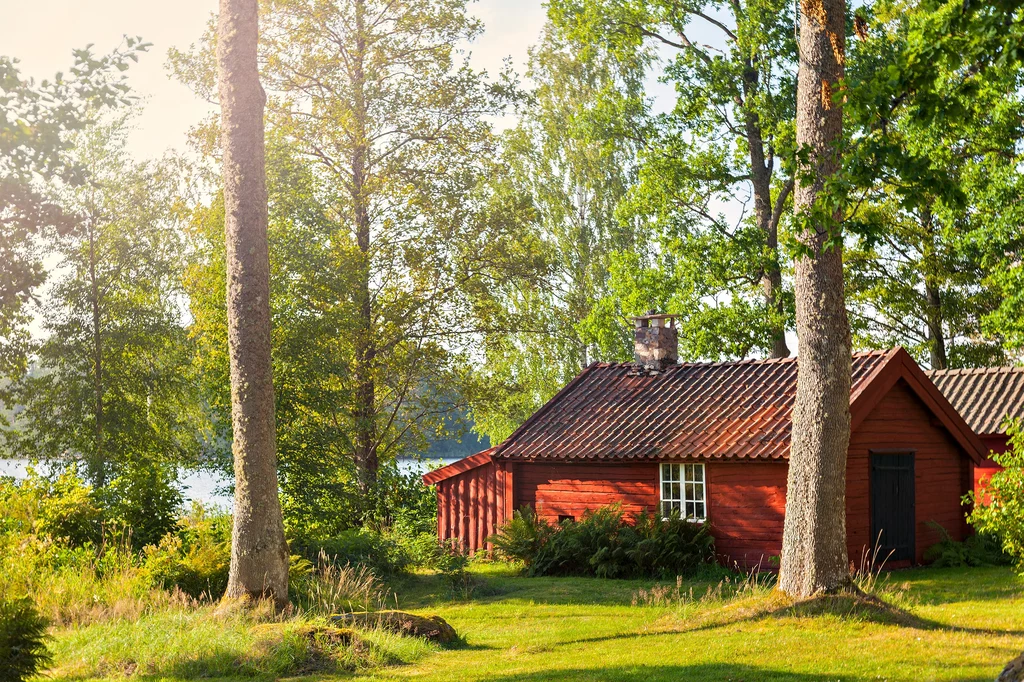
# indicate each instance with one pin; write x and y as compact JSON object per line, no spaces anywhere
{"x":892,"y":505}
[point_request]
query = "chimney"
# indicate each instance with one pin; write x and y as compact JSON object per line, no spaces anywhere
{"x":656,"y":344}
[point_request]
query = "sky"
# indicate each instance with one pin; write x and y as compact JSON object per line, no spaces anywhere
{"x":43,"y":33}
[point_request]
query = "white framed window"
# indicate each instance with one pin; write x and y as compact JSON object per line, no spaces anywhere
{"x":683,"y":490}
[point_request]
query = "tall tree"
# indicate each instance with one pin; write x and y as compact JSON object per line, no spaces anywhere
{"x":918,"y":272}
{"x":36,"y":125}
{"x":814,"y":555}
{"x":728,"y":142}
{"x":566,"y":166}
{"x":110,"y":384}
{"x":375,"y":100}
{"x":259,"y":553}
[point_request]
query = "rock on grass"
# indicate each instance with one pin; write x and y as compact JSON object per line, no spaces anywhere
{"x":432,"y":628}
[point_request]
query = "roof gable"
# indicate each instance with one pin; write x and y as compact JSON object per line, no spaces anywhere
{"x":736,"y":410}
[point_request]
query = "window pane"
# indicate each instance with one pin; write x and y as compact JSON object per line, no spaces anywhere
{"x":699,"y":512}
{"x":698,"y":492}
{"x":689,"y":491}
{"x":675,"y":492}
{"x":698,"y":473}
{"x":689,"y":510}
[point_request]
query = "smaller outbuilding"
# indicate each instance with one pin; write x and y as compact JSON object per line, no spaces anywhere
{"x":987,"y":398}
{"x":712,"y":441}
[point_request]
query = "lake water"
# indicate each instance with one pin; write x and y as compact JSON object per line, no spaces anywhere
{"x":208,"y":487}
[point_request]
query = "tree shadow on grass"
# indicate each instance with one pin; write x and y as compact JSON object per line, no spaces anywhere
{"x":698,"y":672}
{"x":858,"y":607}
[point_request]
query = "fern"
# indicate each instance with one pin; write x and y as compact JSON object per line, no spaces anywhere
{"x":522,"y":537}
{"x":604,"y":543}
{"x":23,"y":651}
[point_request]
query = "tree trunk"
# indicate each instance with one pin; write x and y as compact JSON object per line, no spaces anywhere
{"x":259,"y":554}
{"x":366,"y":349}
{"x":97,"y":465}
{"x":933,"y":294}
{"x":764,"y":214}
{"x":814,"y":558}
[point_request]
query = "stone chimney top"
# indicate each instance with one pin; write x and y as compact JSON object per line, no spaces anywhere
{"x":656,"y":344}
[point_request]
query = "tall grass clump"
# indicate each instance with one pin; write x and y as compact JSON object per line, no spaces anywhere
{"x":606,"y":544}
{"x":327,"y":587}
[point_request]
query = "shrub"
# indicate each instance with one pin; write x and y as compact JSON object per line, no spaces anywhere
{"x":605,"y":544}
{"x":365,"y":547}
{"x":981,"y":549}
{"x":23,"y":651}
{"x":451,"y":562}
{"x":62,"y":508}
{"x":143,"y":503}
{"x":326,"y":508}
{"x":196,"y":558}
{"x":522,"y":536}
{"x":1003,"y":517}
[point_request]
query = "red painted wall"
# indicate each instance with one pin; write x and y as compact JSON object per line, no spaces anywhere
{"x":746,"y":499}
{"x":994,"y":442}
{"x":569,"y":489}
{"x":472,"y":504}
{"x":747,"y":507}
{"x":941,"y":470}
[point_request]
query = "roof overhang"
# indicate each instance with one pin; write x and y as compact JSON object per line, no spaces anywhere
{"x":455,"y":468}
{"x":900,"y":365}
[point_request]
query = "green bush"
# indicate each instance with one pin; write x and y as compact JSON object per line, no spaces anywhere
{"x":326,"y":509}
{"x":522,"y":536}
{"x":23,"y":651}
{"x":363,"y":547}
{"x":62,"y":508}
{"x":451,"y":561}
{"x":980,"y":549}
{"x":143,"y":503}
{"x":1003,"y":516}
{"x":605,"y":544}
{"x":196,"y":558}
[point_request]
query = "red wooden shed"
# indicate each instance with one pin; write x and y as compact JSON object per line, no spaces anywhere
{"x":986,"y":397}
{"x":712,"y":440}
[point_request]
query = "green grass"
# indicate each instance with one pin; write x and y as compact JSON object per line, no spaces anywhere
{"x":952,"y":624}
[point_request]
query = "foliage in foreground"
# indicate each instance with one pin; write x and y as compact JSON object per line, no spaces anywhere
{"x":1003,"y":515}
{"x":979,"y":549}
{"x":605,"y":544}
{"x":203,"y":642}
{"x":23,"y":651}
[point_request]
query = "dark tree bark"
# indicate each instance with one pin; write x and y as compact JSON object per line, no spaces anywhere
{"x":814,"y":558}
{"x":766,"y":212}
{"x":933,"y":295}
{"x":366,"y":441}
{"x":259,"y":554}
{"x":97,"y":463}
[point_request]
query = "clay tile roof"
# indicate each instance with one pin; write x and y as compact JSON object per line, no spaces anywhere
{"x":710,"y":410}
{"x":984,"y":397}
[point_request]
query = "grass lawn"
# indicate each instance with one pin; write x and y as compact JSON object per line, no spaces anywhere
{"x":958,"y":624}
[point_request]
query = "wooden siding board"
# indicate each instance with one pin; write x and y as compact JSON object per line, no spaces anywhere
{"x":746,"y":498}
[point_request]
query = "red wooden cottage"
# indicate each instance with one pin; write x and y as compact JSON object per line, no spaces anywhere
{"x":985,"y":397}
{"x":712,"y":440}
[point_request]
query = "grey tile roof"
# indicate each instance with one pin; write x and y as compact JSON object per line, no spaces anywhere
{"x":984,"y":397}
